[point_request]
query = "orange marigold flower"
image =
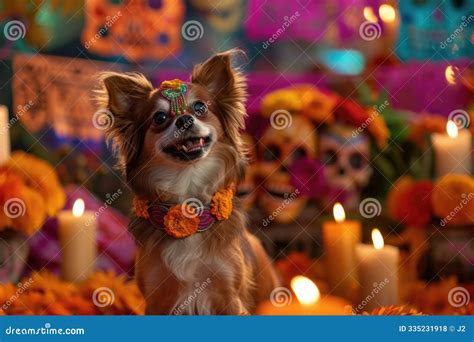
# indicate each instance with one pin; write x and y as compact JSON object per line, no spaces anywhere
{"x":116,"y":295}
{"x":221,"y":203}
{"x":410,"y":202}
{"x":40,"y":176}
{"x":171,"y":84}
{"x":24,"y":208}
{"x":453,"y":199}
{"x":178,"y":223}
{"x":140,"y":207}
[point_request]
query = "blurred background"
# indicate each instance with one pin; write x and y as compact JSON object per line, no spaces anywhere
{"x":386,"y":73}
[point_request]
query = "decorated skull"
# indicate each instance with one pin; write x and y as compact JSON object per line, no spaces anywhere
{"x":136,"y":29}
{"x":278,"y":149}
{"x":346,"y":156}
{"x":246,"y":189}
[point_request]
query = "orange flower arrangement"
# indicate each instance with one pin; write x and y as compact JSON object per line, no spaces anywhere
{"x":124,"y":296}
{"x":302,"y":99}
{"x":178,"y":223}
{"x":453,"y":199}
{"x":221,"y":203}
{"x":46,"y":294}
{"x":29,"y":192}
{"x":409,"y":201}
{"x":40,"y":176}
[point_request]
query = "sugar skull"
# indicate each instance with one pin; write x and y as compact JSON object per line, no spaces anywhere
{"x":136,"y":29}
{"x":278,"y":149}
{"x":346,"y":155}
{"x":246,"y":189}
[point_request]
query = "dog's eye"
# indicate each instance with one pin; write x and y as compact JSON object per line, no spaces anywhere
{"x":159,"y":118}
{"x":200,"y":108}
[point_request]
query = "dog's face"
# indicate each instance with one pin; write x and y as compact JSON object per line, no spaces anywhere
{"x":152,"y":140}
{"x":188,"y":137}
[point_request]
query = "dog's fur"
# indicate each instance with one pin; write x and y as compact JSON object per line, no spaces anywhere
{"x":226,"y":258}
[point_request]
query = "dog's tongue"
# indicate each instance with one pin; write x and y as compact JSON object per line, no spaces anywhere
{"x":192,"y":145}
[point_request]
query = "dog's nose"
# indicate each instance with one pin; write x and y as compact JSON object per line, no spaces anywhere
{"x":184,"y":122}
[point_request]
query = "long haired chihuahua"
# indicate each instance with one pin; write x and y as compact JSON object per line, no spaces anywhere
{"x":180,"y":150}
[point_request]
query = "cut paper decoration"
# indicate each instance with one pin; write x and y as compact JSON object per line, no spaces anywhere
{"x":135,"y":29}
{"x":224,"y":16}
{"x":58,"y":92}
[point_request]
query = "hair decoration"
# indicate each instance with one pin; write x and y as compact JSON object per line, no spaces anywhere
{"x":174,"y":91}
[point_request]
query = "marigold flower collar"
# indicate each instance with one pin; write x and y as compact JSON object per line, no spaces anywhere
{"x":187,"y":218}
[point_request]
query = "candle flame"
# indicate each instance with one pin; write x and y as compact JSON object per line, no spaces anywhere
{"x":338,"y":212}
{"x":369,"y":14}
{"x":452,"y":129}
{"x":450,"y":74}
{"x":387,"y":13}
{"x":305,"y":290}
{"x":377,"y":239}
{"x":78,"y":208}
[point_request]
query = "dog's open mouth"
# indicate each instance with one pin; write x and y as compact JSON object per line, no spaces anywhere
{"x":188,"y":149}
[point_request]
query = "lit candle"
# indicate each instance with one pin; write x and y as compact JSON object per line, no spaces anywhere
{"x":4,"y":135}
{"x":77,"y":238}
{"x":378,"y":273}
{"x":340,"y":238}
{"x":452,"y":150}
{"x":308,"y":302}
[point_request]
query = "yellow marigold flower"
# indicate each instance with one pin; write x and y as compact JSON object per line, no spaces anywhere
{"x":453,"y":199}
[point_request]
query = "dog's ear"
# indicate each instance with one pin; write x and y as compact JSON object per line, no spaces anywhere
{"x":228,"y":89}
{"x":119,"y":95}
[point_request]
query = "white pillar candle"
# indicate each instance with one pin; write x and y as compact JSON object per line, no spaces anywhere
{"x":4,"y":135}
{"x":453,"y":151}
{"x":339,"y":239}
{"x":378,"y":273}
{"x":77,"y":238}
